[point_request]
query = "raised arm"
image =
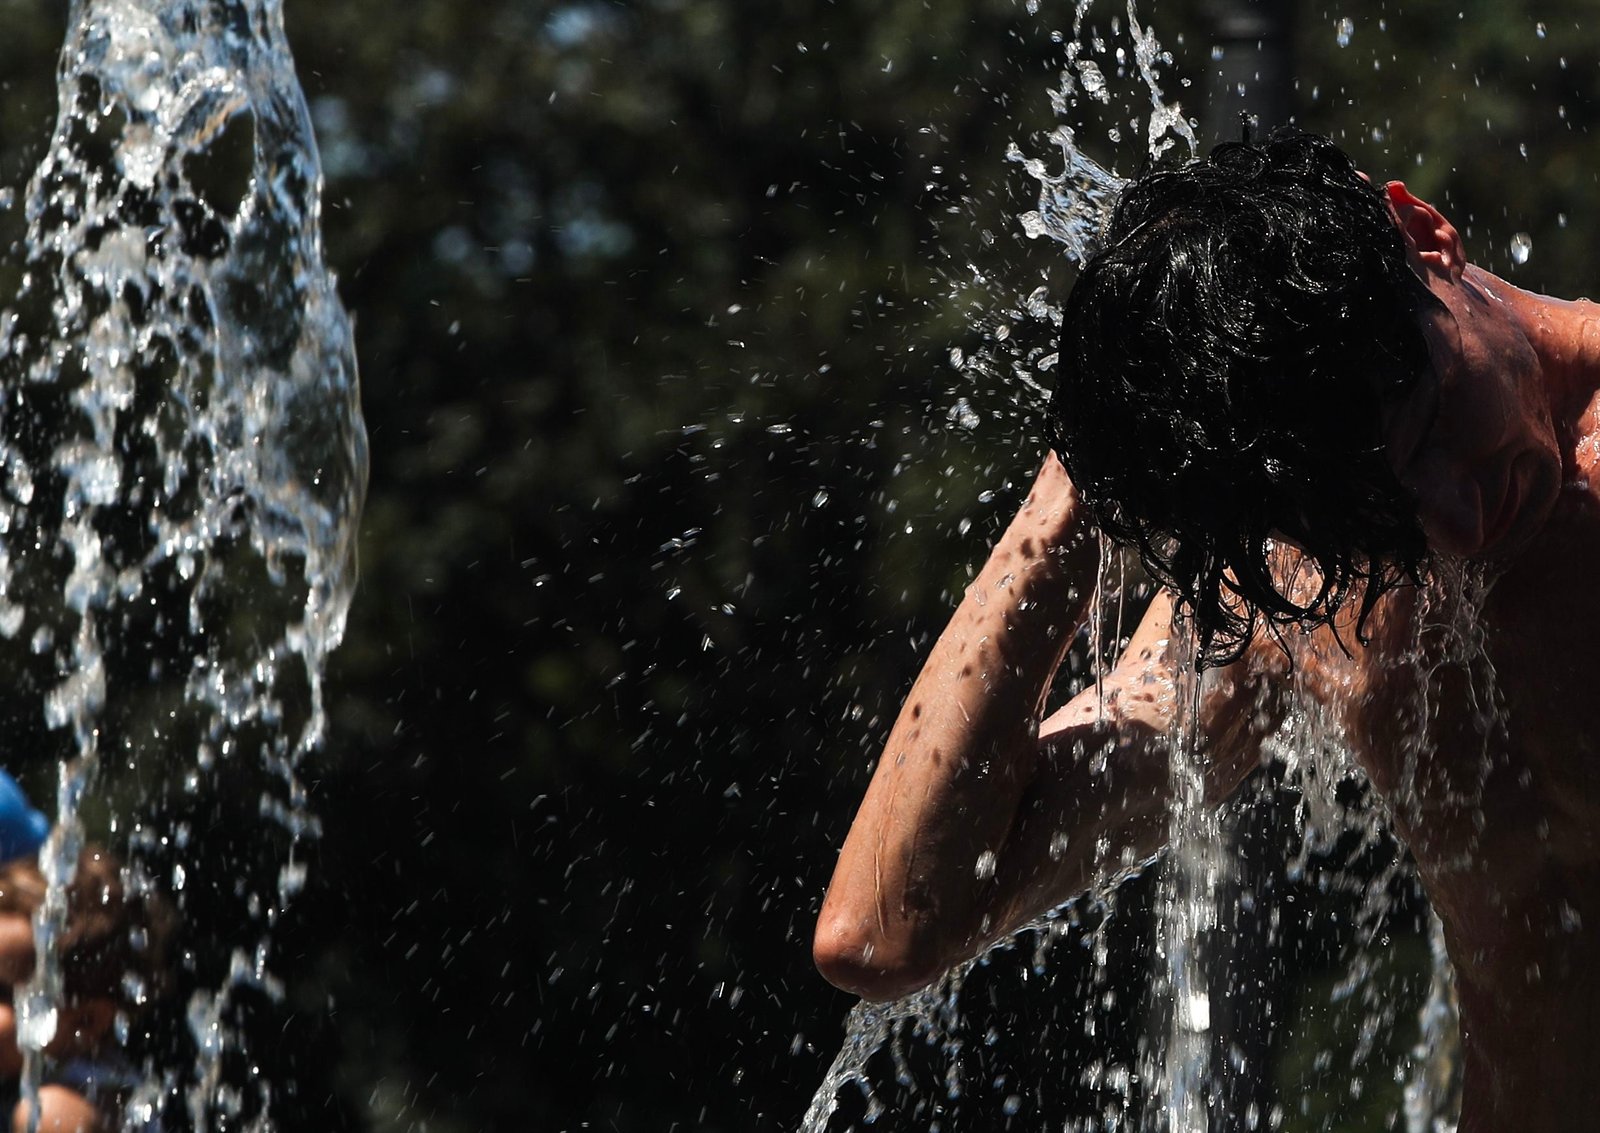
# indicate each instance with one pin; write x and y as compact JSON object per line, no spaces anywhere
{"x":981,"y":814}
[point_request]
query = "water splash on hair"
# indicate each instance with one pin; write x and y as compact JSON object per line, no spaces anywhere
{"x":1110,"y":81}
{"x":1076,"y":200}
{"x":1075,"y":203}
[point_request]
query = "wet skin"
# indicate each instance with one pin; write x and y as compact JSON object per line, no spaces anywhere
{"x":1501,"y":448}
{"x":1503,"y":819}
{"x":1501,"y":813}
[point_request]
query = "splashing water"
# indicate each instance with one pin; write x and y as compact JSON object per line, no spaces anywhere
{"x":1075,"y":200}
{"x":181,"y":463}
{"x":1075,"y":203}
{"x":1112,"y":79}
{"x":932,"y":1014}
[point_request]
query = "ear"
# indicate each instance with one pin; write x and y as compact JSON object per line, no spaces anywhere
{"x":1433,"y":246}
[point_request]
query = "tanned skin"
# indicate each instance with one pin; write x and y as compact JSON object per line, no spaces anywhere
{"x":986,"y":809}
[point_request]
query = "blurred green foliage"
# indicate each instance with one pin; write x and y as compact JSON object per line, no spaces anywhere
{"x":656,"y":303}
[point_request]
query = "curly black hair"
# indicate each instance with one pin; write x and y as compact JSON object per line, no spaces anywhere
{"x":1225,"y":360}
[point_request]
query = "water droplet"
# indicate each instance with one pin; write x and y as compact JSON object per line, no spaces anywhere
{"x":1521,"y":248}
{"x":1343,"y":30}
{"x":36,"y":1020}
{"x":957,"y":357}
{"x":1538,"y":29}
{"x":983,"y":870}
{"x":1039,"y":305}
{"x":1092,"y":81}
{"x":962,"y":415}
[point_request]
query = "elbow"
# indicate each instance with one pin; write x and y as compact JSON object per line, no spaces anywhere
{"x":854,"y":956}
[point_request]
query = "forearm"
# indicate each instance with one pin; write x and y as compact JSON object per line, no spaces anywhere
{"x":914,"y":879}
{"x":978,"y":819}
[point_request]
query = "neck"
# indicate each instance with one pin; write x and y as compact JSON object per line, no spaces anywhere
{"x":1564,"y":333}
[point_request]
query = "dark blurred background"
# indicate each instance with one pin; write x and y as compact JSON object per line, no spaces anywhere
{"x":699,"y":372}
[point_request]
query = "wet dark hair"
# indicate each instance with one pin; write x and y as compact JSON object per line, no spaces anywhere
{"x":1225,"y":359}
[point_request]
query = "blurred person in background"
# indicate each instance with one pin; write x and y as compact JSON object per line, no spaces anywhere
{"x":113,"y":962}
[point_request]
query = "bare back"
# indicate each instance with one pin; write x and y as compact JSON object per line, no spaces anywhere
{"x":1482,"y":733}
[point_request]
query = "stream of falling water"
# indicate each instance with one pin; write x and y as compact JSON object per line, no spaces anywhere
{"x":1187,"y":904}
{"x":182,"y":461}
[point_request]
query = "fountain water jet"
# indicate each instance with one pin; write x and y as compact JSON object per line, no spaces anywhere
{"x":182,"y":461}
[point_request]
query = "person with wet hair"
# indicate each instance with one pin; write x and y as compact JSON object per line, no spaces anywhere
{"x":1328,"y":436}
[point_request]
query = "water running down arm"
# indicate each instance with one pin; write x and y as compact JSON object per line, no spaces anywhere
{"x":981,"y":814}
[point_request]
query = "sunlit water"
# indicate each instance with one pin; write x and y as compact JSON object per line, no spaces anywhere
{"x":1174,"y":1085}
{"x":181,"y":463}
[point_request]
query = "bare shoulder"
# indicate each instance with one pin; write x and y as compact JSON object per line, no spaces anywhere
{"x":1138,"y":700}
